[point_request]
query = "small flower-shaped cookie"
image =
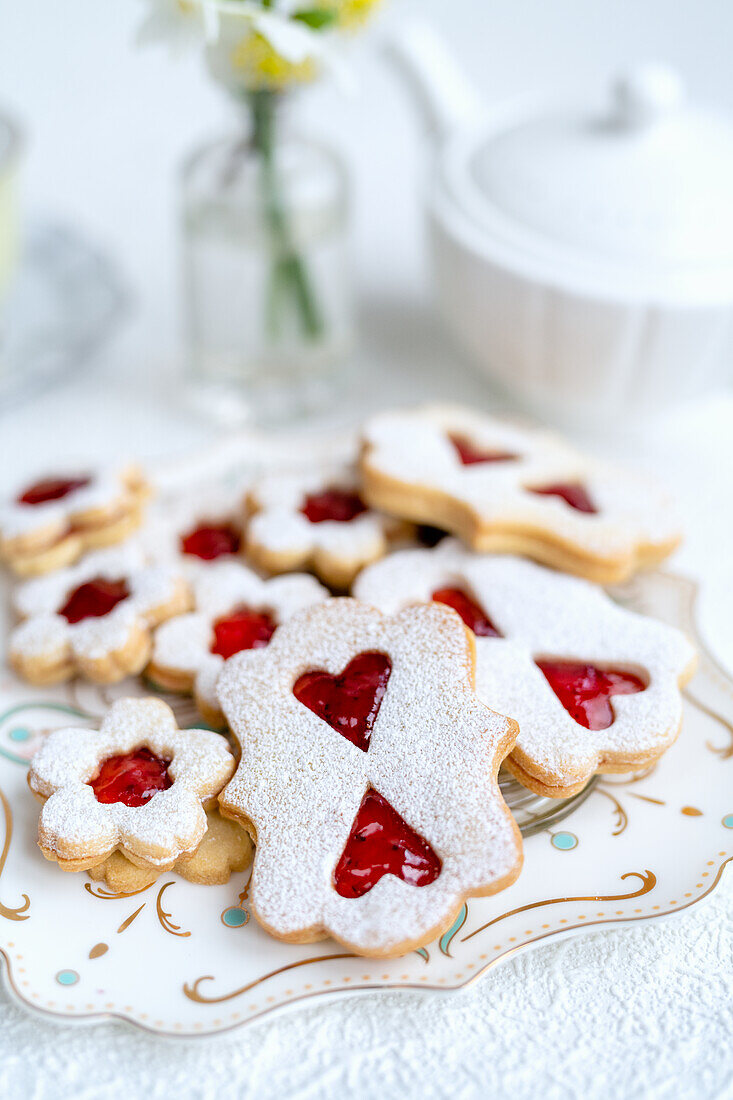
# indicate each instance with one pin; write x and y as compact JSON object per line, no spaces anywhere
{"x":315,"y":519}
{"x":235,"y":610}
{"x":594,"y":687}
{"x":203,"y":527}
{"x":94,"y":618}
{"x":137,"y":785}
{"x":515,"y":490}
{"x":49,"y":522}
{"x":368,"y":776}
{"x":226,"y":848}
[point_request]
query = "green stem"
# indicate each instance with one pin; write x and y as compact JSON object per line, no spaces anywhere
{"x":289,"y":274}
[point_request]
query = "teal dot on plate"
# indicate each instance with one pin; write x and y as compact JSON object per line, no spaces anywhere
{"x":20,"y":733}
{"x":235,"y":917}
{"x":728,"y":821}
{"x":67,"y":977}
{"x":564,"y":841}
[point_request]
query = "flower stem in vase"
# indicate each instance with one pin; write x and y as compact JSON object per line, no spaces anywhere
{"x":290,"y":290}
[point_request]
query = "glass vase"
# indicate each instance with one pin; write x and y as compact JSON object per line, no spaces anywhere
{"x":267,"y":294}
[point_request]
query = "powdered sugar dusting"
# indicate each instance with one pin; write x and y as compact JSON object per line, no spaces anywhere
{"x":434,"y":753}
{"x":74,"y":826}
{"x":183,"y":644}
{"x":541,"y":613}
{"x":414,"y":448}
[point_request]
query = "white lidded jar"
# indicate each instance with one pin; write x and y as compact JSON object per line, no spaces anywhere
{"x":583,"y":253}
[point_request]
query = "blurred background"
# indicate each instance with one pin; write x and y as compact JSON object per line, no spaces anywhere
{"x":107,"y":125}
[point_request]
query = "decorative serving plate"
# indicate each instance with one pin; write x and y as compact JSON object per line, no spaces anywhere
{"x":637,"y":848}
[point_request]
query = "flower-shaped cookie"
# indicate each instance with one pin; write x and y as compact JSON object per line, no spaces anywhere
{"x":49,"y":522}
{"x":94,"y":618}
{"x":368,"y":776}
{"x":226,"y":848}
{"x":206,"y":526}
{"x":515,"y":490}
{"x":235,"y":610}
{"x":316,"y":520}
{"x":594,"y":687}
{"x":137,"y":785}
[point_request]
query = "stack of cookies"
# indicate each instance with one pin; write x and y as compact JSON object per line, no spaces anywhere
{"x":354,"y":740}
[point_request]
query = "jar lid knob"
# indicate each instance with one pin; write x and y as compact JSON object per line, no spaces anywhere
{"x":646,"y":94}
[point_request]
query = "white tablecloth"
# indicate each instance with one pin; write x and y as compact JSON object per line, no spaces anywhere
{"x":629,"y":1013}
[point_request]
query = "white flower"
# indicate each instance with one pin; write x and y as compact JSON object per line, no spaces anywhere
{"x":236,"y":31}
{"x":180,"y":22}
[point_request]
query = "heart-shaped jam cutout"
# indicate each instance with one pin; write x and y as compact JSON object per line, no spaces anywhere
{"x":132,"y":778}
{"x":349,"y":702}
{"x":52,"y":488}
{"x":470,"y":611}
{"x":573,"y":493}
{"x":585,"y":691}
{"x":93,"y":599}
{"x":471,"y":454}
{"x":241,"y":629}
{"x":336,"y":505}
{"x":382,"y":843}
{"x":209,"y":541}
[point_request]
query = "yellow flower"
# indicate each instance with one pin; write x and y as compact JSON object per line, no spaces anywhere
{"x":352,"y":14}
{"x":262,"y":67}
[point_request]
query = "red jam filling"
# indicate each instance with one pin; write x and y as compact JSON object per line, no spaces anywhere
{"x":132,"y":778}
{"x":585,"y":691}
{"x":349,"y":702}
{"x":93,"y":599}
{"x":471,"y":455}
{"x":573,"y":493}
{"x":241,"y":629}
{"x":333,"y":504}
{"x":471,"y":612}
{"x":52,"y":488}
{"x":209,"y":541}
{"x":382,"y":843}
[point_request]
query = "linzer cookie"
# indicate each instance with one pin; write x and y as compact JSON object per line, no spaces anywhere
{"x":204,"y":527}
{"x":137,"y":786}
{"x":50,"y":521}
{"x":594,"y":687}
{"x":93,"y":618}
{"x":514,"y":490}
{"x":225,"y":849}
{"x":235,"y":610}
{"x":315,"y":520}
{"x":368,"y":776}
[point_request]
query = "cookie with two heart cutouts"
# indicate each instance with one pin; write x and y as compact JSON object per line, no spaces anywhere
{"x":368,"y":776}
{"x":509,"y":489}
{"x":594,"y":687}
